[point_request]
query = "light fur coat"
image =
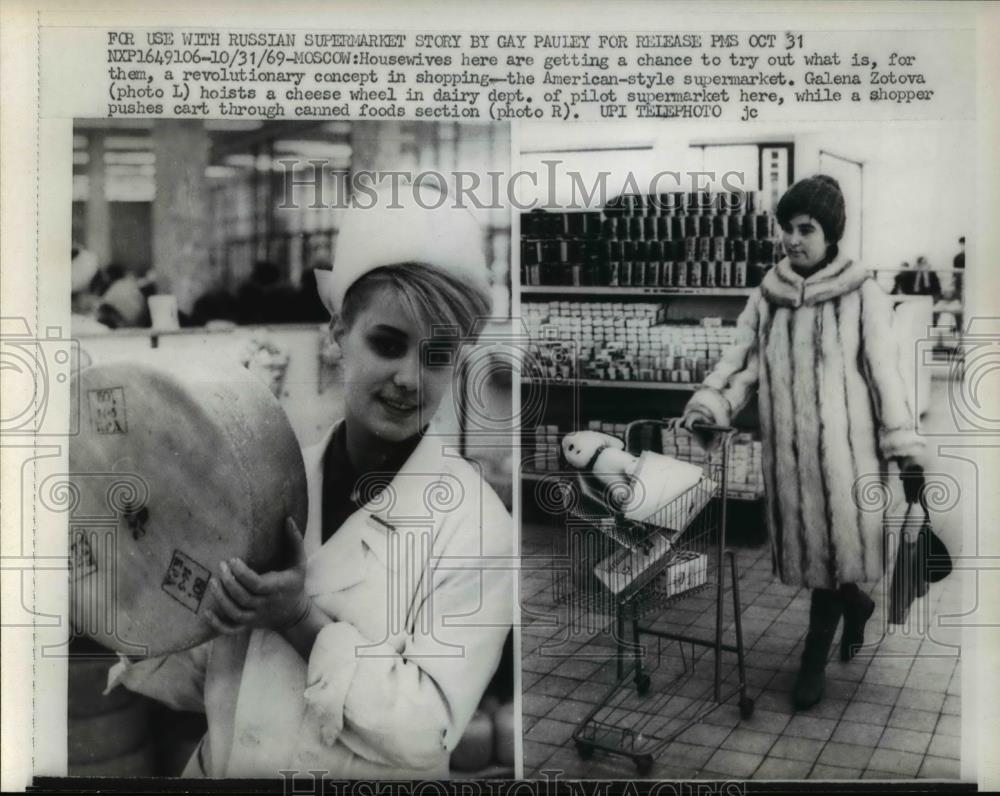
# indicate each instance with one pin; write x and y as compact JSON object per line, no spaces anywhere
{"x":824,"y":360}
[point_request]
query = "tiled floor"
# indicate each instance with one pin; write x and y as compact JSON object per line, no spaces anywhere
{"x":891,"y":713}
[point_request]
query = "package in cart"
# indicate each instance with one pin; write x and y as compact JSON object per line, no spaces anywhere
{"x":628,"y":567}
{"x":687,"y":570}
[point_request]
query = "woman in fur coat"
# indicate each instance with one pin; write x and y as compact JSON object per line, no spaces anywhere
{"x":815,"y":342}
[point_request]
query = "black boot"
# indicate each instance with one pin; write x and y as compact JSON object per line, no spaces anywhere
{"x":824,"y":615}
{"x":858,"y":609}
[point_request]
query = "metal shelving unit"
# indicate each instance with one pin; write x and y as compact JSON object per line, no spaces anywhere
{"x":640,"y":385}
{"x":659,"y":292}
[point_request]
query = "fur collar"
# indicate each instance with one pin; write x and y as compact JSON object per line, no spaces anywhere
{"x":784,"y":287}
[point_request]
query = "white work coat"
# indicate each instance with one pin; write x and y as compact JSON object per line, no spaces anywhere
{"x":419,"y":583}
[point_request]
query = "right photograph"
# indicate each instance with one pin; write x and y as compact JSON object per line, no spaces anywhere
{"x":738,"y":516}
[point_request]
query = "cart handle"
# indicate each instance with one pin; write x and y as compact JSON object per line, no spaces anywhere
{"x":675,"y":422}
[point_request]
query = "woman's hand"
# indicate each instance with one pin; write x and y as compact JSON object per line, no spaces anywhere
{"x":912,"y":476}
{"x":693,"y":417}
{"x":276,"y":600}
{"x":691,"y":420}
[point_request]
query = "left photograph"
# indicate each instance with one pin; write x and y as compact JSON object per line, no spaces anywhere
{"x":289,"y":511}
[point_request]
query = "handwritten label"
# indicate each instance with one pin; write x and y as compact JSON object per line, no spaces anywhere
{"x":186,"y":581}
{"x":107,"y":410}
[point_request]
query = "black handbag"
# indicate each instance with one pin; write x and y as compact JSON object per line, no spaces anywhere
{"x":919,"y":562}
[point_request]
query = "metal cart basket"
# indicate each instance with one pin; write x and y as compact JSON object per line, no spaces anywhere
{"x":636,"y":571}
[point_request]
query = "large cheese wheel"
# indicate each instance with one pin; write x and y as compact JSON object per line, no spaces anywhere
{"x":177,"y":466}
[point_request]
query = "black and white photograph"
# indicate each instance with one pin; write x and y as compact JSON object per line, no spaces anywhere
{"x":737,"y":526}
{"x":499,"y":399}
{"x":291,"y":533}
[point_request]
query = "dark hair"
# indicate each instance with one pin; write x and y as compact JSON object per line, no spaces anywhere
{"x":819,"y":197}
{"x":433,"y":297}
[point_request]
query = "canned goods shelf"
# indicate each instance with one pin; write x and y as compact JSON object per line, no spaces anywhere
{"x":733,"y":292}
{"x":639,"y":385}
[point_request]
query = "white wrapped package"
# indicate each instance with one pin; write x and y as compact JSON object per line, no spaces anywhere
{"x":658,"y":480}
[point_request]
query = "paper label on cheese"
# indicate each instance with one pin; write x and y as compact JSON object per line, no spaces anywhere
{"x":107,"y":410}
{"x":186,"y":581}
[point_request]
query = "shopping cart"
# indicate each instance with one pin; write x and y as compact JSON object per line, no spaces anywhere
{"x":638,"y":570}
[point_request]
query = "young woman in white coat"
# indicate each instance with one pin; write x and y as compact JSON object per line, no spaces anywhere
{"x":367,"y":655}
{"x":815,"y":342}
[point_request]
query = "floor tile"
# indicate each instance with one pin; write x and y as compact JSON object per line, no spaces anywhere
{"x":684,"y":754}
{"x":592,"y":692}
{"x":567,"y":764}
{"x":821,"y":771}
{"x":535,"y":704}
{"x":829,"y":708}
{"x":905,"y":740}
{"x":907,"y":719}
{"x":926,"y":682}
{"x":772,"y":600}
{"x":550,"y":731}
{"x":783,"y":680}
{"x":554,"y":685}
{"x":933,"y":666}
{"x":734,"y":764}
{"x":949,"y":725}
{"x":746,"y":740}
{"x":845,"y":755}
{"x":803,"y":726}
{"x":777,"y":701}
{"x":796,"y":748}
{"x":767,"y":721}
{"x":867,"y":712}
{"x":539,"y":663}
{"x":881,"y":676}
{"x":855,"y":671}
{"x":857,"y":733}
{"x":904,"y":764}
{"x":535,"y":753}
{"x":781,"y":768}
{"x":577,"y":668}
{"x":570,"y":710}
{"x":841,"y":689}
{"x":529,"y":679}
{"x":706,"y":735}
{"x":952,"y":705}
{"x":724,"y":716}
{"x":877,"y":694}
{"x":940,"y":768}
{"x":945,"y":746}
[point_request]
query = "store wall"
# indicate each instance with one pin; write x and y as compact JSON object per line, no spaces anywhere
{"x":918,"y":187}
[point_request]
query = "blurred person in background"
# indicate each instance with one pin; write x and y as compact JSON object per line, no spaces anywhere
{"x":921,"y":281}
{"x":84,"y":298}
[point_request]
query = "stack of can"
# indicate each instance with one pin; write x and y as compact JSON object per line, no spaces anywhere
{"x":617,"y":341}
{"x":697,"y":239}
